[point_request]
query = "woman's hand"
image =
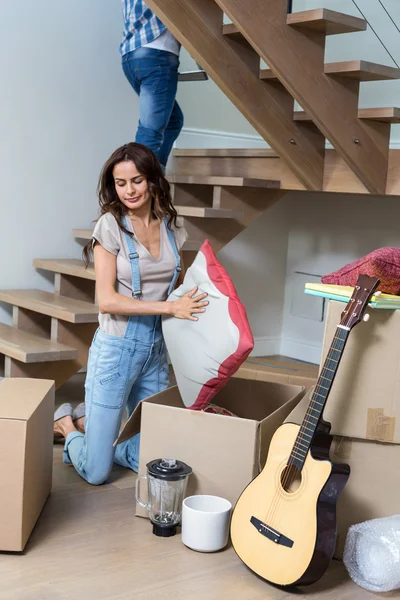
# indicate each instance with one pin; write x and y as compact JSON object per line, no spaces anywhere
{"x":188,"y":305}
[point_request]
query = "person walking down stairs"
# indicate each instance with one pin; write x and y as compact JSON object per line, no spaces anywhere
{"x":150,"y":61}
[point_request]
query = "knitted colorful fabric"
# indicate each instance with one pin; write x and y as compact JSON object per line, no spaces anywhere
{"x":384,"y":264}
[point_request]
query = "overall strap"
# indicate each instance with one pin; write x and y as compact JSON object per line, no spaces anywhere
{"x":134,"y":260}
{"x":177,"y":257}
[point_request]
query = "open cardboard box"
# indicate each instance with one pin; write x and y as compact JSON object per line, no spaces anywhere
{"x":278,"y":369}
{"x":225,"y":452}
{"x":363,"y":408}
{"x":26,"y":456}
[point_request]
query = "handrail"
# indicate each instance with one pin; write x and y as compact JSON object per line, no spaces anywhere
{"x":290,"y":10}
{"x":381,"y":41}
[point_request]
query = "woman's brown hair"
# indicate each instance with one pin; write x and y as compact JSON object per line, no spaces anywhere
{"x":148,"y":166}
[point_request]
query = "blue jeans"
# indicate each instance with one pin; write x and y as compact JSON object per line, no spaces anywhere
{"x":153,"y":74}
{"x":121,"y":372}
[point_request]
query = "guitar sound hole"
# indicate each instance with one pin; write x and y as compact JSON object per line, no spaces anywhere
{"x":290,"y":479}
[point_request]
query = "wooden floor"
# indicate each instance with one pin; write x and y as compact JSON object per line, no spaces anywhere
{"x":89,"y":545}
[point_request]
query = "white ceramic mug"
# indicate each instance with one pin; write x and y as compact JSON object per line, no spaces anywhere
{"x":205,"y":523}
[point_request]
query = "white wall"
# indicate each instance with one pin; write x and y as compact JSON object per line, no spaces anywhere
{"x":64,"y":107}
{"x":327,"y":231}
{"x":256,"y":261}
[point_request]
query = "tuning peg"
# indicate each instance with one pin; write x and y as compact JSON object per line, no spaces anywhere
{"x":366,"y":317}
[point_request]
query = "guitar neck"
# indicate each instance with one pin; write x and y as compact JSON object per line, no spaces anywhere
{"x":319,"y":398}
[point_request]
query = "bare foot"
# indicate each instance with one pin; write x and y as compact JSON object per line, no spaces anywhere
{"x":64,"y":426}
{"x":80,"y":424}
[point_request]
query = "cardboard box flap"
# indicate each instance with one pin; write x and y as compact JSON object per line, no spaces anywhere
{"x":364,"y":401}
{"x":279,"y":370}
{"x":168,"y":397}
{"x":250,"y":400}
{"x":255,"y":400}
{"x":19,"y":397}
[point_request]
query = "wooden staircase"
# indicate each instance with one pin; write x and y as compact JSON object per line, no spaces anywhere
{"x":293,"y":46}
{"x":51,"y":332}
{"x":219,"y":193}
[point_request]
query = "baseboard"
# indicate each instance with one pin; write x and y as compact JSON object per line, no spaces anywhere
{"x":300,"y":351}
{"x":207,"y":138}
{"x":266,"y":346}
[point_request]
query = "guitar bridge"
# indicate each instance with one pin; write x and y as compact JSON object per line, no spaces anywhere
{"x":271,"y":533}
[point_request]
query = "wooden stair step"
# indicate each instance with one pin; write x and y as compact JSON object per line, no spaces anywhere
{"x":353,"y":69}
{"x":189,"y":246}
{"x":66,"y":266}
{"x":208,"y":213}
{"x":231,"y":31}
{"x":53,"y":305}
{"x":326,"y":21}
{"x":268,"y":75}
{"x":225,"y":181}
{"x":382,"y":114}
{"x":362,"y":70}
{"x":30,"y":348}
{"x":385,"y":115}
{"x":83,"y":234}
{"x":225,"y":152}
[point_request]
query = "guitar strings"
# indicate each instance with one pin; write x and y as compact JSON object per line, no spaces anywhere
{"x":274,"y":506}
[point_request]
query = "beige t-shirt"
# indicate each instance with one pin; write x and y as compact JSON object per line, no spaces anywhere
{"x":155,"y":274}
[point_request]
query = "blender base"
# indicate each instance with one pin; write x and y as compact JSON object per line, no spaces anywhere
{"x":164,"y":531}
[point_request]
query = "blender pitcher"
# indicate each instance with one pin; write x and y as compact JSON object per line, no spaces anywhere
{"x":166,"y":485}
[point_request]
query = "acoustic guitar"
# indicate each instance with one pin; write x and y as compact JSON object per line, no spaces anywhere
{"x":284,"y":523}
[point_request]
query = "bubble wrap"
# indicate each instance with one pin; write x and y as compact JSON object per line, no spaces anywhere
{"x":372,"y":554}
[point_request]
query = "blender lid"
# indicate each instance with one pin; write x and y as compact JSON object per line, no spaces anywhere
{"x":168,"y":469}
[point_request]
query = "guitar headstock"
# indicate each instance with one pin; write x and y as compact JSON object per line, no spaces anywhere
{"x":354,"y":311}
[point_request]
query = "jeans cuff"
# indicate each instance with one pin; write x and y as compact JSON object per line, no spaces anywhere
{"x":71,"y":436}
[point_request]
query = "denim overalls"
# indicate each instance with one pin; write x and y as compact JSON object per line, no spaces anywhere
{"x":121,"y":372}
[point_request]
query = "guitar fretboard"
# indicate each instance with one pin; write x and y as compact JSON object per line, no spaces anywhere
{"x":318,"y":399}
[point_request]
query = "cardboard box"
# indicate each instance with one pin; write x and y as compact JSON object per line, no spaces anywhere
{"x":373,"y":488}
{"x":26,"y":457}
{"x":365,"y":398}
{"x":225,"y":453}
{"x":279,"y":369}
{"x":363,"y":408}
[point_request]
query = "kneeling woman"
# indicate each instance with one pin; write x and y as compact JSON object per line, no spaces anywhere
{"x":137,"y":258}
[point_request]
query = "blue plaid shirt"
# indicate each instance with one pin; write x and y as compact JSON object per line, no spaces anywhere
{"x":141,"y":25}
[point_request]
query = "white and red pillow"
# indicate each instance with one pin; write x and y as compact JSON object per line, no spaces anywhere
{"x":207,"y":352}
